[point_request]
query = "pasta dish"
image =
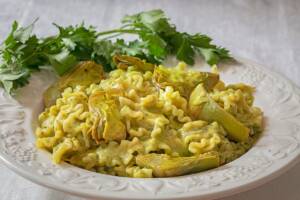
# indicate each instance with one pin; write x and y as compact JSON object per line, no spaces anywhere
{"x":142,"y":120}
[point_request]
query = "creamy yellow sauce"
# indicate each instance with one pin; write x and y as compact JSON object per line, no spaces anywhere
{"x":127,"y":125}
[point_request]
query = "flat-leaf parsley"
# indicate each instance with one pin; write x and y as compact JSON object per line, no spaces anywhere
{"x":23,"y":52}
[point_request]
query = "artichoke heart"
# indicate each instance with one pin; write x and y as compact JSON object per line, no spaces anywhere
{"x":84,"y":74}
{"x":124,"y":61}
{"x":107,"y":121}
{"x":164,"y":165}
{"x":203,"y":107}
{"x":183,"y":80}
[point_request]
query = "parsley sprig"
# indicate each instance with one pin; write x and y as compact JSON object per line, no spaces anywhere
{"x":23,"y":52}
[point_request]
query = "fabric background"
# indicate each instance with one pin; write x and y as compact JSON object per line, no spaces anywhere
{"x":265,"y":31}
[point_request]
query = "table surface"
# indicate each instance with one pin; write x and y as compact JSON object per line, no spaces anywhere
{"x":266,"y":31}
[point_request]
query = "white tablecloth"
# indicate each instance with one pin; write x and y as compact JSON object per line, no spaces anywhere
{"x":265,"y":31}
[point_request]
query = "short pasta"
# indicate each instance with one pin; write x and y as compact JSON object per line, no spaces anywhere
{"x":143,"y":123}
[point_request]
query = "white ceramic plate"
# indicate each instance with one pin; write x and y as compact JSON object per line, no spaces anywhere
{"x":276,"y":151}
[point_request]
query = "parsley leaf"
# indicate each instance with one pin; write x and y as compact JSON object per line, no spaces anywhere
{"x":62,"y":61}
{"x":170,"y":41}
{"x":16,"y":64}
{"x":22,"y":52}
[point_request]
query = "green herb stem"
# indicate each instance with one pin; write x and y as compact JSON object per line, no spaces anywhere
{"x":129,"y":31}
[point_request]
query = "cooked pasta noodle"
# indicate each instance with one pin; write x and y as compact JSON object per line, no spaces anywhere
{"x":109,"y":126}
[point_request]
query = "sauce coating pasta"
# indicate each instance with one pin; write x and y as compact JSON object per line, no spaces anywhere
{"x":143,"y":120}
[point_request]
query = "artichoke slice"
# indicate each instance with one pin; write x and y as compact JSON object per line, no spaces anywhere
{"x":123,"y":62}
{"x":164,"y":165}
{"x":84,"y":74}
{"x":237,"y":131}
{"x":183,"y":80}
{"x":107,"y":121}
{"x":203,"y":107}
